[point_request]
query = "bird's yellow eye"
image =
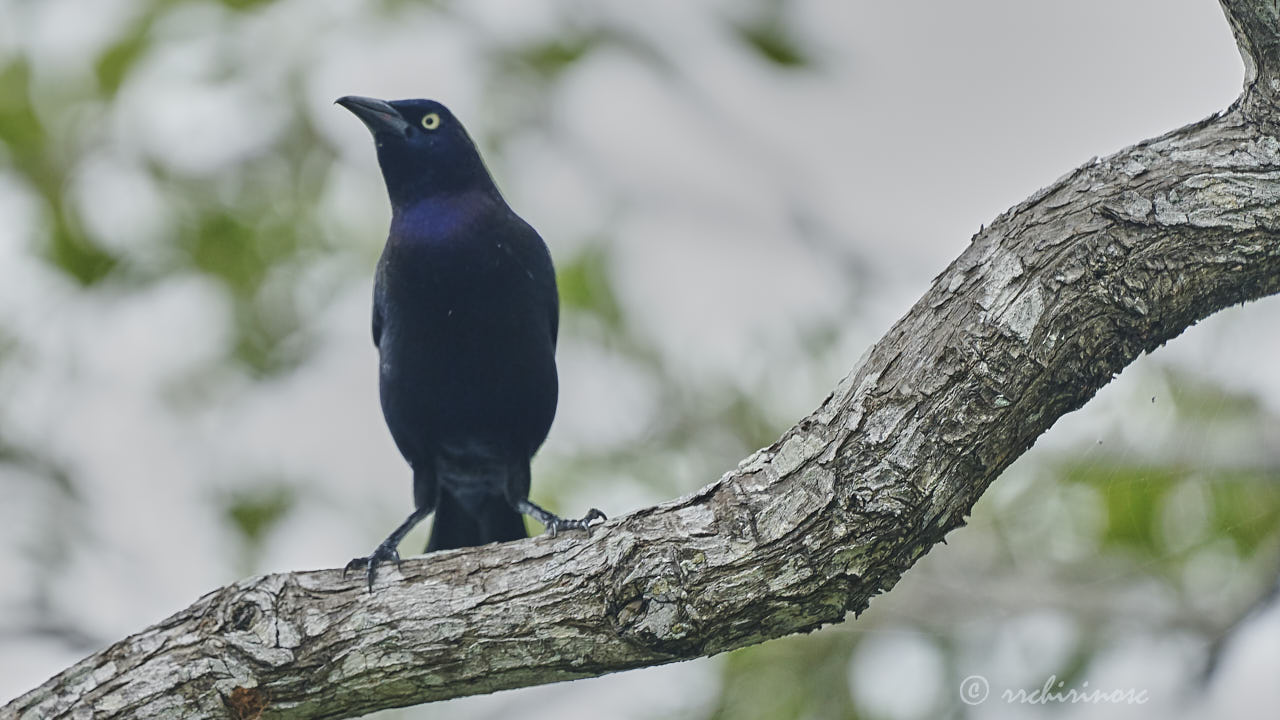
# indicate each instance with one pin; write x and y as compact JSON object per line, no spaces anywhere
{"x":431,"y":121}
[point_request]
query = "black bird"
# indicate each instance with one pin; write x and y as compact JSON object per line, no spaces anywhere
{"x":465,"y":316}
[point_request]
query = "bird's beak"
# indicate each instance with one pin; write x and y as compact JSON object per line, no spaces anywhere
{"x":376,"y":115}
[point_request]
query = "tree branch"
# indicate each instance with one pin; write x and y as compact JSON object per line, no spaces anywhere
{"x":1042,"y":309}
{"x":1255,"y":23}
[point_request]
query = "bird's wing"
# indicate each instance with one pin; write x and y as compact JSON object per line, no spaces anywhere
{"x":525,"y":247}
{"x":555,"y":315}
{"x":377,"y":309}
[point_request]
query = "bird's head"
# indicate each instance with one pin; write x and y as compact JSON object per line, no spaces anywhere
{"x":422,"y":148}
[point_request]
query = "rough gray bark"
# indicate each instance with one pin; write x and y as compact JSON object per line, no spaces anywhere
{"x":1038,"y":313}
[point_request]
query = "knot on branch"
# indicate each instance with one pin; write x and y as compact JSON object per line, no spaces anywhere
{"x":245,"y":703}
{"x":650,"y":604}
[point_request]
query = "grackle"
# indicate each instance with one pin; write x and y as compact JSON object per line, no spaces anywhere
{"x":465,"y":316}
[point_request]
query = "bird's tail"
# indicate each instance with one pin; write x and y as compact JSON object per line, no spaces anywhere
{"x":480,"y":521}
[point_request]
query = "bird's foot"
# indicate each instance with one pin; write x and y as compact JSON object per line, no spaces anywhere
{"x":556,"y":524}
{"x":384,"y":553}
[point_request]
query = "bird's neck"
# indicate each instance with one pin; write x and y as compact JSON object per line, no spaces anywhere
{"x":410,"y":180}
{"x":441,"y":215}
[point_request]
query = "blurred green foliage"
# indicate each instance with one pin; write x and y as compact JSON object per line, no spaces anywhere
{"x":768,"y":31}
{"x":584,"y":287}
{"x":119,"y":58}
{"x":45,"y":164}
{"x":1241,"y":505}
{"x":774,"y":43}
{"x":792,"y":678}
{"x":254,"y":512}
{"x":553,"y":56}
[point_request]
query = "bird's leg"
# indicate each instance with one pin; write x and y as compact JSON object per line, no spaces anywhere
{"x":387,"y":552}
{"x":555,"y":523}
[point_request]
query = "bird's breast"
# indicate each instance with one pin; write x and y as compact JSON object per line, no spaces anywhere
{"x":462,"y":302}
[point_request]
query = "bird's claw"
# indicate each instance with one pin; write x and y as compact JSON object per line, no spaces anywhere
{"x":370,"y":563}
{"x":555,"y":525}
